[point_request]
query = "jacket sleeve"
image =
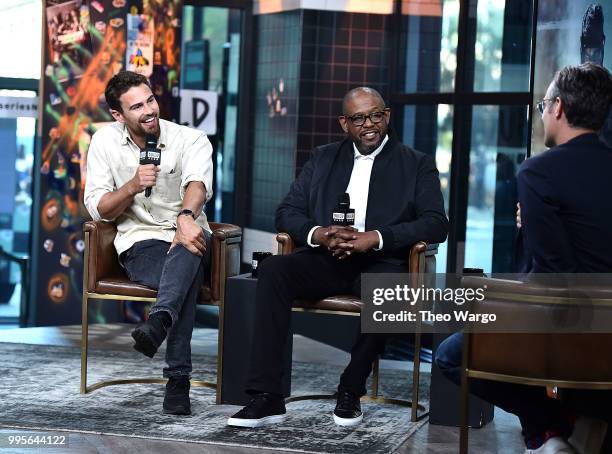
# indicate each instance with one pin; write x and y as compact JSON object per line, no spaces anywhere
{"x":431,"y":224}
{"x":293,"y":215}
{"x":545,"y":235}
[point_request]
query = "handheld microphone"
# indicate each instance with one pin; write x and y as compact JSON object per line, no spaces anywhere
{"x":150,"y":155}
{"x":343,"y":214}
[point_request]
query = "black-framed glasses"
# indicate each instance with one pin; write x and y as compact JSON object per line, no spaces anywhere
{"x":542,"y":104}
{"x":360,"y":119}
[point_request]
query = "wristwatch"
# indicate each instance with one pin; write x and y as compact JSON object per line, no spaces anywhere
{"x":186,"y":212}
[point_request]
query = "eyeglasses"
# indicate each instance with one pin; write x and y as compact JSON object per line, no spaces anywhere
{"x":359,"y":120}
{"x":542,"y":104}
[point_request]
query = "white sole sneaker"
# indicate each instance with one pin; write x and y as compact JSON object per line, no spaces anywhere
{"x":252,"y":423}
{"x":347,"y":422}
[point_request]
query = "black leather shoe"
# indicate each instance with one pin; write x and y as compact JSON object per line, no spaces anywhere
{"x":150,"y":334}
{"x":348,"y":409}
{"x":264,"y":408}
{"x":176,"y":399}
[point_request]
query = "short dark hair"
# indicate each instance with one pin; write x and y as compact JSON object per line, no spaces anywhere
{"x":119,"y":84}
{"x":586,"y":92}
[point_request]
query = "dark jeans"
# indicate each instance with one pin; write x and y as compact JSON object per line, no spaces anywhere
{"x":312,"y":273}
{"x":536,"y":411}
{"x":177,"y":275}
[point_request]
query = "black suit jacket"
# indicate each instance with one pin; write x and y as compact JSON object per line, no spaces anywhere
{"x":566,"y":207}
{"x":404,"y":199}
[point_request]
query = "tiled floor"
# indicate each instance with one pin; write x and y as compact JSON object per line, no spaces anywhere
{"x":501,"y":436}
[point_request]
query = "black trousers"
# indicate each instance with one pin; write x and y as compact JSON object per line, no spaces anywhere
{"x":311,"y":273}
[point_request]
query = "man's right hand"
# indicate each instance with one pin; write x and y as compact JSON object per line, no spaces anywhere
{"x":146,"y":176}
{"x":324,"y":236}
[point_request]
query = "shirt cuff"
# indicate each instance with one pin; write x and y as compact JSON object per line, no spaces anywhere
{"x":309,"y":238}
{"x":380,"y":241}
{"x":195,"y":177}
{"x":93,"y":200}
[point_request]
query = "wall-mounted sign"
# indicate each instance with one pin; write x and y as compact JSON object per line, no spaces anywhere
{"x":13,"y":107}
{"x":199,"y":110}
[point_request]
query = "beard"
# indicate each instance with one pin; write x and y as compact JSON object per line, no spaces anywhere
{"x":138,"y":129}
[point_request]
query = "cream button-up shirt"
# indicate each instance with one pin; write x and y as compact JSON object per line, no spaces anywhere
{"x":112,"y":160}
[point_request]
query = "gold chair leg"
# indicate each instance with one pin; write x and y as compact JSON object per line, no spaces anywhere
{"x":218,"y":388}
{"x":375,"y":378}
{"x":84,"y":342}
{"x":464,"y":430}
{"x":416,"y":375}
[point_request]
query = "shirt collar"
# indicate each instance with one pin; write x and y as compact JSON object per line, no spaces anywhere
{"x":374,"y":153}
{"x":163,"y":135}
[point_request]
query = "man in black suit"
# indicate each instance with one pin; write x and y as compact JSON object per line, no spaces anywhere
{"x":566,"y":216}
{"x":395,"y":192}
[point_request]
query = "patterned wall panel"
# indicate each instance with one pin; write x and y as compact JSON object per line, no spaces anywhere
{"x":275,"y":113}
{"x":88,"y":42}
{"x":340,"y":51}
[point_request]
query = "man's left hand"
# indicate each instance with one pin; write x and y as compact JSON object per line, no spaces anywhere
{"x":349,"y":243}
{"x":190,"y":235}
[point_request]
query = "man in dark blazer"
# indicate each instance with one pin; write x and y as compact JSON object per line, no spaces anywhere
{"x":566,"y":217}
{"x":395,"y":192}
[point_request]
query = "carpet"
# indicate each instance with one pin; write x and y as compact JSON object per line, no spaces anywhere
{"x":40,"y":391}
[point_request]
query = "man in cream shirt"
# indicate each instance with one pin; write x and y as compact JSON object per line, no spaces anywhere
{"x":162,"y":240}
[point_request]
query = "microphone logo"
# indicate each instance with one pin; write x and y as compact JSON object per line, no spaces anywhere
{"x":150,"y":155}
{"x":343,"y":214}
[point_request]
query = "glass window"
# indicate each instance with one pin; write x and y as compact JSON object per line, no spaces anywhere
{"x":430,"y":129}
{"x":428,"y":46}
{"x":211,"y":61}
{"x":503,"y":45}
{"x":21,"y":25}
{"x":16,"y":161}
{"x":499,"y":145}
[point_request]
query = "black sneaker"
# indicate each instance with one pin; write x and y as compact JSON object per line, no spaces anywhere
{"x":150,"y":334}
{"x":176,"y":399}
{"x":264,"y":408}
{"x":348,"y":409}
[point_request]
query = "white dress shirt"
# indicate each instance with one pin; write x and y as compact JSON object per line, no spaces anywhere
{"x":112,"y":161}
{"x":357,"y":189}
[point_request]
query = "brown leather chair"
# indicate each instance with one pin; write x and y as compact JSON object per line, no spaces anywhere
{"x":421,"y":260}
{"x":105,"y":279}
{"x":555,"y":360}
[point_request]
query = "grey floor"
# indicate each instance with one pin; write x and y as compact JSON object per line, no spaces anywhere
{"x":501,"y":436}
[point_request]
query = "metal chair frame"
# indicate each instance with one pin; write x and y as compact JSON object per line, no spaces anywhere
{"x":418,"y":412}
{"x":229,"y":245}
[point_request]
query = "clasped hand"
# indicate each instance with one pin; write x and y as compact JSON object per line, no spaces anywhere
{"x":343,"y":241}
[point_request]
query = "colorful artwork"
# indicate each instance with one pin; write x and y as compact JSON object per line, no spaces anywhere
{"x":140,"y":30}
{"x":87,"y":43}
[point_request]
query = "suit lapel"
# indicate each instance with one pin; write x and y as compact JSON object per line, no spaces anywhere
{"x":378,"y":182}
{"x":340,"y":175}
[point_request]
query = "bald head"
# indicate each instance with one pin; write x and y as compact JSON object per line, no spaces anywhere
{"x":357,"y":92}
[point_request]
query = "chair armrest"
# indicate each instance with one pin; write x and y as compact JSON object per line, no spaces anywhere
{"x":100,"y":254}
{"x":285,"y":244}
{"x":422,"y":257}
{"x":224,"y":231}
{"x":225,"y":257}
{"x":541,"y":292}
